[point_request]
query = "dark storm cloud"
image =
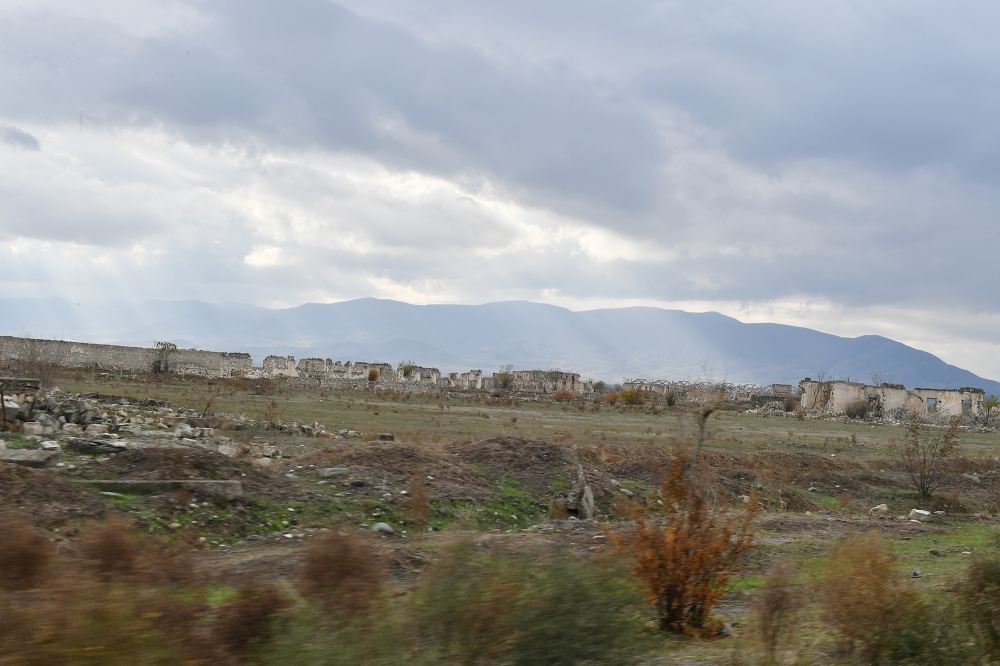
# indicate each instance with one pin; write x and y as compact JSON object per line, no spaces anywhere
{"x":18,"y":138}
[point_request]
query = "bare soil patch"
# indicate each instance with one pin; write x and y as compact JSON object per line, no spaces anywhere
{"x":46,"y":499}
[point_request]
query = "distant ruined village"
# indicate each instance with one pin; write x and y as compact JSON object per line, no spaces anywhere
{"x":879,"y":400}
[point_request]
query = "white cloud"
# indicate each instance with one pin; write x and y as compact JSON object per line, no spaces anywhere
{"x":759,"y":159}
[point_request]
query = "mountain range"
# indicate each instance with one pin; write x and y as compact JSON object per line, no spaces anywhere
{"x":609,"y":344}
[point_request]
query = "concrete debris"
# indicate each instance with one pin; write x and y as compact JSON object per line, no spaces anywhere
{"x":28,"y":457}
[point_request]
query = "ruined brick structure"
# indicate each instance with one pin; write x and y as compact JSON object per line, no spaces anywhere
{"x":122,"y":358}
{"x":836,"y":396}
{"x":313,"y":372}
{"x":540,"y":381}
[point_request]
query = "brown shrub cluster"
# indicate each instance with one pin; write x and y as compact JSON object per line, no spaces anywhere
{"x":342,"y":572}
{"x":865,"y":597}
{"x":685,"y":556}
{"x":25,"y":553}
{"x":563,"y":395}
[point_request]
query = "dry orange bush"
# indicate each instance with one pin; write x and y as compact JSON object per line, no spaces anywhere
{"x":110,"y":548}
{"x":342,"y":571}
{"x":563,"y":395}
{"x":248,"y":620}
{"x":25,"y":554}
{"x":685,"y":561}
{"x":866,"y":598}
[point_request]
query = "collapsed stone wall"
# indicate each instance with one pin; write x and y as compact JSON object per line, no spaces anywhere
{"x":122,"y":358}
{"x":837,"y":396}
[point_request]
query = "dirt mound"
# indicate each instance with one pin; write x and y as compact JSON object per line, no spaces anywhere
{"x":46,"y":499}
{"x":534,"y":463}
{"x":642,"y":463}
{"x":156,"y":464}
{"x":397,"y":463}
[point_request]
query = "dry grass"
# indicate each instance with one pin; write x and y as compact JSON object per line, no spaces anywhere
{"x":865,"y":598}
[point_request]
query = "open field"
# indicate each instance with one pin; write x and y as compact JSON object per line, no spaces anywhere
{"x":490,"y":468}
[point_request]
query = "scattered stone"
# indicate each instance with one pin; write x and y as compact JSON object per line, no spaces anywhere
{"x":972,"y":477}
{"x":222,"y":489}
{"x":918,"y":514}
{"x":916,"y":573}
{"x":27,"y":457}
{"x":383,"y":528}
{"x":331,"y":472}
{"x":32,"y":428}
{"x":878,"y":511}
{"x":50,"y":445}
{"x":96,"y":429}
{"x":586,"y":509}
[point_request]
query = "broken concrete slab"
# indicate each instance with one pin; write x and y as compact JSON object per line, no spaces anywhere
{"x":215,"y":489}
{"x":27,"y":457}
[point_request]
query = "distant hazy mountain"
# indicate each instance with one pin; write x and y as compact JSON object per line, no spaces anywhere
{"x":608,"y":344}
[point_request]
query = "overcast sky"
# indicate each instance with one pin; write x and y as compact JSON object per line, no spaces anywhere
{"x":829,"y":164}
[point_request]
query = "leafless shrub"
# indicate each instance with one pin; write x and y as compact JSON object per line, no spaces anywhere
{"x":563,"y":395}
{"x":776,"y":606}
{"x":670,"y":397}
{"x":248,"y":620}
{"x":110,"y":549}
{"x":924,"y":455}
{"x":858,"y":409}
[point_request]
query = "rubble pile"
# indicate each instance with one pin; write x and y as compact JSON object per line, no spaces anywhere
{"x":100,"y":424}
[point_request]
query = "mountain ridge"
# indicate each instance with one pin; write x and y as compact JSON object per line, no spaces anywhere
{"x":605,"y":343}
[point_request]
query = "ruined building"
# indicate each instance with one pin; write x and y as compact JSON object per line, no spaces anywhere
{"x":124,"y":359}
{"x":837,"y":396}
{"x":540,"y":381}
{"x":323,"y":372}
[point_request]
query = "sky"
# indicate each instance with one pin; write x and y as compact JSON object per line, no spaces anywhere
{"x":826,"y":164}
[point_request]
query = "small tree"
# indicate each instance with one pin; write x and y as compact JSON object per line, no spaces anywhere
{"x":600,"y":386}
{"x":406,"y":368}
{"x":990,"y":405}
{"x":685,"y":561}
{"x":923,"y":455}
{"x":504,"y":378}
{"x":164,"y":350}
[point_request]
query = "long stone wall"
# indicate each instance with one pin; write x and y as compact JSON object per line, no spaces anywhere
{"x":122,"y":358}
